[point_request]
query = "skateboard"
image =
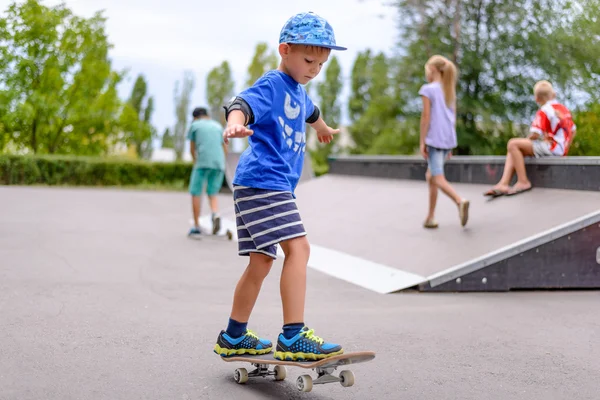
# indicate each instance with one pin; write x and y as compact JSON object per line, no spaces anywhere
{"x":227,"y":235}
{"x":206,"y":229}
{"x":324,"y":369}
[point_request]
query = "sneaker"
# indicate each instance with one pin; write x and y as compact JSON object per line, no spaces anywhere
{"x":463,"y":212}
{"x":195,"y":232}
{"x":216,"y":223}
{"x":305,"y":346}
{"x":248,"y":343}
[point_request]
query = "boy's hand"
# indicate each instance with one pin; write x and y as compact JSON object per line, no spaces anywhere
{"x":326,"y":135}
{"x":236,"y":131}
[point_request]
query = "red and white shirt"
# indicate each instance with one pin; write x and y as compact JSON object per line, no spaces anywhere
{"x":554,"y":123}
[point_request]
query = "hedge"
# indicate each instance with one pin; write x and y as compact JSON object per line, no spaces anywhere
{"x":86,"y":171}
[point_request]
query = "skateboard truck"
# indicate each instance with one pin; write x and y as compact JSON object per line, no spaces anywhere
{"x":304,"y":383}
{"x":324,"y":369}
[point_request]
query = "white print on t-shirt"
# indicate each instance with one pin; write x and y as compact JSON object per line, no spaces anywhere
{"x":298,"y":141}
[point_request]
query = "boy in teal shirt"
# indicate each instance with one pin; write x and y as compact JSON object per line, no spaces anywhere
{"x":208,"y":152}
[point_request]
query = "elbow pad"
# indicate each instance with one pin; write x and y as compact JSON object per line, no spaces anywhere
{"x":237,"y":103}
{"x":314,"y":116}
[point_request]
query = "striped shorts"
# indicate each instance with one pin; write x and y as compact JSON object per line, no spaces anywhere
{"x":265,"y":218}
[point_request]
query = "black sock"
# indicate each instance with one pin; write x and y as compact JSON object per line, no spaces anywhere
{"x":236,"y":329}
{"x":291,"y":330}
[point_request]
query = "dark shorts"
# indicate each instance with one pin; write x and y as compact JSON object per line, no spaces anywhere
{"x":265,"y":218}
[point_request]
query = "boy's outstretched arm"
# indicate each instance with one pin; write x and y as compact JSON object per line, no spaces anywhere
{"x":235,"y":126}
{"x":324,"y":132}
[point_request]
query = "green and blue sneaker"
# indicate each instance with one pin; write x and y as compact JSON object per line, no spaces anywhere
{"x":248,"y":343}
{"x":305,"y":346}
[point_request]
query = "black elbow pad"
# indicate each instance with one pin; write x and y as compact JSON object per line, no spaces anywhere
{"x":237,"y":103}
{"x":314,"y":116}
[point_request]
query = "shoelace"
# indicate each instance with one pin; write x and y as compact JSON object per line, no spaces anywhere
{"x":310,"y":335}
{"x":251,"y":334}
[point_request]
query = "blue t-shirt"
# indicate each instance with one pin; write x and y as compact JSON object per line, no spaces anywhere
{"x":275,"y":156}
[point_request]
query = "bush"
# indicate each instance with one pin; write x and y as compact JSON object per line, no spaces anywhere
{"x":86,"y":171}
{"x":587,"y":139}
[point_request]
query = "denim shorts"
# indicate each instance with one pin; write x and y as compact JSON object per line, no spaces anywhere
{"x":436,"y":159}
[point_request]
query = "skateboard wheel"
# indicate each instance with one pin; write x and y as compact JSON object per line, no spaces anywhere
{"x":229,"y":235}
{"x":347,"y":378}
{"x":304,"y":383}
{"x":280,"y":372}
{"x":240,"y":375}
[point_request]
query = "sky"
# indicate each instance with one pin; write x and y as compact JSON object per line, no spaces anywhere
{"x":161,"y":39}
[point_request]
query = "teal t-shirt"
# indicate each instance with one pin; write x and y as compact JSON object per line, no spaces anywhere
{"x":208,"y":138}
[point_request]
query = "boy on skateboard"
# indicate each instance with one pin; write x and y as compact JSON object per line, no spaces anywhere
{"x":273,"y":113}
{"x":208,"y":152}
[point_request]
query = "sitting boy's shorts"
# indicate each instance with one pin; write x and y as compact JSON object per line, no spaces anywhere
{"x":541,"y":148}
{"x":436,"y":159}
{"x":265,"y":218}
{"x":212,"y":178}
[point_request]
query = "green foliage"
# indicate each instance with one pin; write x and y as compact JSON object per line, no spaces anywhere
{"x":587,"y":138}
{"x":219,"y":89}
{"x":84,"y":171}
{"x":501,"y":48}
{"x":135,"y":119}
{"x":374,"y":106}
{"x":167,"y":139}
{"x":262,"y":61}
{"x":57,"y":89}
{"x":328,"y":91}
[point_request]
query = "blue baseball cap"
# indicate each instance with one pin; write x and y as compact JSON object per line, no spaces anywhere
{"x":309,"y":29}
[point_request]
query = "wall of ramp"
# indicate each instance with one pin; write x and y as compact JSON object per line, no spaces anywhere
{"x":565,"y":257}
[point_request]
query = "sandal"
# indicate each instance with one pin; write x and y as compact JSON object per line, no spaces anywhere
{"x":430,"y":224}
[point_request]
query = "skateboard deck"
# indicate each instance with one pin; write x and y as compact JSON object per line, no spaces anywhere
{"x":304,"y":383}
{"x":228,"y":235}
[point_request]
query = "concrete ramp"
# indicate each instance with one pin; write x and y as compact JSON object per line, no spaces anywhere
{"x":550,"y":236}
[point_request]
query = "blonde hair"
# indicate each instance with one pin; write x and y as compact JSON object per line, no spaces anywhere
{"x":544,"y":91}
{"x":448,"y":71}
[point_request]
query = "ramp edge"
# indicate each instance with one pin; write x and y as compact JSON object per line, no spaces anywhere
{"x":512,"y":249}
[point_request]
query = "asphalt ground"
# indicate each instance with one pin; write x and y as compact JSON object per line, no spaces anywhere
{"x":102,"y":296}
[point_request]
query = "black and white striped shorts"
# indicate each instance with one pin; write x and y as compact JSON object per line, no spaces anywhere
{"x":265,"y":218}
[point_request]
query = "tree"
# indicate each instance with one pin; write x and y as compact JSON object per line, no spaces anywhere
{"x":57,"y":89}
{"x":374,"y":108}
{"x":359,"y":89}
{"x":328,"y":91}
{"x":219,"y":89}
{"x":182,"y":107}
{"x":135,"y":119}
{"x":586,"y":141}
{"x":501,"y":48}
{"x":167,"y":140}
{"x":262,"y":61}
